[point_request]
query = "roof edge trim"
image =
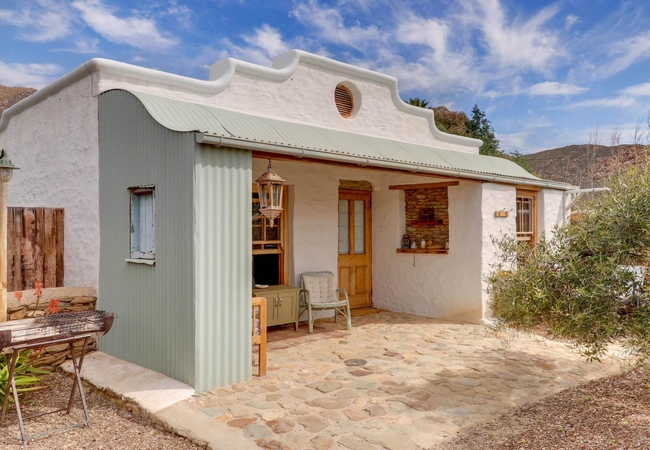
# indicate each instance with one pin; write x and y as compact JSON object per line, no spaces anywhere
{"x":222,"y":73}
{"x":51,"y":89}
{"x":222,"y":141}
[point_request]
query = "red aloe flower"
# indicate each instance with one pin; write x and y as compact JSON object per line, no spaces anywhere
{"x":18,"y":295}
{"x":53,"y":306}
{"x":38,"y":288}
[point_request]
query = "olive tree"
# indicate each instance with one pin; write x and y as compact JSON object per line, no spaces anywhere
{"x":576,"y":284}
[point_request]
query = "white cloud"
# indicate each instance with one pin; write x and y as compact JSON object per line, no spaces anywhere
{"x":528,"y":44}
{"x":42,"y":21}
{"x":638,"y":90}
{"x":181,"y":13}
{"x":621,"y":101}
{"x":329,"y":24}
{"x":571,"y":20}
{"x":267,"y":39}
{"x":135,"y":31}
{"x":626,"y":53}
{"x":261,"y":46}
{"x":28,"y":75}
{"x":82,"y":46}
{"x":554,"y":88}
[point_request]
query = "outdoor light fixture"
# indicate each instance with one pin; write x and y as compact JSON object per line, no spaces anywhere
{"x":6,"y":170}
{"x":269,"y":188}
{"x":6,"y":167}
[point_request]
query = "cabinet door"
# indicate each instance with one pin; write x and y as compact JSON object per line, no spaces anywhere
{"x":286,"y":309}
{"x":271,"y":310}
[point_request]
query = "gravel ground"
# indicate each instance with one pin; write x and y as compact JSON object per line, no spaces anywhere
{"x":111,"y":427}
{"x":610,"y":413}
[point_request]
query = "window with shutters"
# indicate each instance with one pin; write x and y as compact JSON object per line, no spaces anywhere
{"x":143,"y":223}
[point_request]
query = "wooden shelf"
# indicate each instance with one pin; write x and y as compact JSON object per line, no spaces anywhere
{"x":435,"y":251}
{"x":426,"y":222}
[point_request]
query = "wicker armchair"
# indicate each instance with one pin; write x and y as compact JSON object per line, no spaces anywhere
{"x":319,"y":292}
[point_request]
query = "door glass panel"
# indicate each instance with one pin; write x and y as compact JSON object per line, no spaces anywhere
{"x":359,"y":227}
{"x":344,"y":227}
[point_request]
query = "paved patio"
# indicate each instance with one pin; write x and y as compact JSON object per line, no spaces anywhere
{"x":394,"y":381}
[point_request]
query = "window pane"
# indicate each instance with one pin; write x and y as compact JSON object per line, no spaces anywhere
{"x":143,"y":216}
{"x":273,"y":233}
{"x":359,"y":227}
{"x":344,"y":227}
{"x":524,"y":218}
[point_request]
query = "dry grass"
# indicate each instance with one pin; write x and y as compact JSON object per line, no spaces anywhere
{"x":610,"y":413}
{"x":111,"y":427}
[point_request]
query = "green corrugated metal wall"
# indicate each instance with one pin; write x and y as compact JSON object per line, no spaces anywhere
{"x":155,"y":304}
{"x":223,"y":243}
{"x":187,"y":316}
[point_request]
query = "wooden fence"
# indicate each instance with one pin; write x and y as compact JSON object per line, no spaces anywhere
{"x":34,"y":247}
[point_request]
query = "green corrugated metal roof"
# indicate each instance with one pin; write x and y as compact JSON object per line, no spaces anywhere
{"x":183,"y":116}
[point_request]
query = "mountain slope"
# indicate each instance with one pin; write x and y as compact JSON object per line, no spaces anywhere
{"x":9,"y":96}
{"x":585,"y":165}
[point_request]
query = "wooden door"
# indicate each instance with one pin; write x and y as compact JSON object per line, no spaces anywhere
{"x":355,"y":246}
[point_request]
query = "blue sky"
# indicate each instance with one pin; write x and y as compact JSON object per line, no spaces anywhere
{"x":548,"y":74}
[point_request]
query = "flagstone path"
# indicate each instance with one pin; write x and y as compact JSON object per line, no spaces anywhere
{"x":395,"y":381}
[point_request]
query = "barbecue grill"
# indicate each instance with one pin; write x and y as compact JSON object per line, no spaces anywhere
{"x":64,"y":328}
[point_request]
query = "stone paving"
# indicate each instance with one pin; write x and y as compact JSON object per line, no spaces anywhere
{"x":395,"y":381}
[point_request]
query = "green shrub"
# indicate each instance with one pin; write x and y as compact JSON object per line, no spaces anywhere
{"x":571,"y":285}
{"x":25,"y":375}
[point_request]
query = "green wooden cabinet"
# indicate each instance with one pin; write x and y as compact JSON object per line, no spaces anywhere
{"x":282,"y":304}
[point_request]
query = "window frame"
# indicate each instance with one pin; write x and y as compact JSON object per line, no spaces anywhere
{"x":282,"y":244}
{"x":521,"y":196}
{"x":136,"y":251}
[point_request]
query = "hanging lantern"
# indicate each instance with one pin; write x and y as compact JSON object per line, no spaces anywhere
{"x":269,"y":188}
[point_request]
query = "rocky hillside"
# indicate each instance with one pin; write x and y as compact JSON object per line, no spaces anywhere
{"x":586,"y":165}
{"x":12,"y":95}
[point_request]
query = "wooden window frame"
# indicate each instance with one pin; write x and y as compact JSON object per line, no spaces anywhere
{"x":282,"y":243}
{"x":136,"y":240}
{"x":528,"y":236}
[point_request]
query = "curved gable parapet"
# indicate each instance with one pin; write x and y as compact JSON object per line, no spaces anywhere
{"x":286,"y":65}
{"x":298,"y":88}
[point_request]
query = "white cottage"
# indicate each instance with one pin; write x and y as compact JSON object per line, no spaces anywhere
{"x":155,"y":172}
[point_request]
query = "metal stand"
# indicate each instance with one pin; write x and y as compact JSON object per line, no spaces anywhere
{"x":11,"y":384}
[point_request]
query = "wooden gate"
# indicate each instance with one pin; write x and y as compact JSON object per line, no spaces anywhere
{"x":34,"y":247}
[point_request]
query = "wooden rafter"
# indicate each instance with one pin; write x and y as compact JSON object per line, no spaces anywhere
{"x":405,"y":187}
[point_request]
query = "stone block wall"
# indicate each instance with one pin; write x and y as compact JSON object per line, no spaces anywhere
{"x":70,"y":299}
{"x":436,"y":199}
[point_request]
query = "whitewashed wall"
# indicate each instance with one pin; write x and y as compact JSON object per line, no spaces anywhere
{"x":299,"y":88}
{"x":495,"y":197}
{"x":550,"y":211}
{"x":55,"y":143}
{"x":448,"y":286}
{"x":444,"y":286}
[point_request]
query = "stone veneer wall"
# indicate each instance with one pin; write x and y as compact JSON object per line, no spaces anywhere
{"x":416,"y":199}
{"x":70,"y":299}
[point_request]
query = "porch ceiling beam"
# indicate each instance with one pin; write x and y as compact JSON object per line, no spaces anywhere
{"x":278,"y":157}
{"x":406,"y":187}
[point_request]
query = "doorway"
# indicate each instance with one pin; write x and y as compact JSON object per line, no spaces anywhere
{"x":355,"y":246}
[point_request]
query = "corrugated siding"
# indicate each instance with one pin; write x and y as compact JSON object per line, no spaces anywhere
{"x":155,"y":304}
{"x":223,"y":242}
{"x":184,"y":116}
